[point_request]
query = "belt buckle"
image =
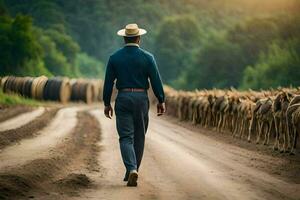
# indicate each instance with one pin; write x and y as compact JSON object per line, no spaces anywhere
{"x":132,"y":89}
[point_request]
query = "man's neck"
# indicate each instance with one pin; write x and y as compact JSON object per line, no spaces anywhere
{"x":132,"y":44}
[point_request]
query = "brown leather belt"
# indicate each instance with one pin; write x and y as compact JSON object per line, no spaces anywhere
{"x":132,"y":90}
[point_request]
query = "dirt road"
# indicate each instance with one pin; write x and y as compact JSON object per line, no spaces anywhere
{"x":182,"y":164}
{"x":179,"y":163}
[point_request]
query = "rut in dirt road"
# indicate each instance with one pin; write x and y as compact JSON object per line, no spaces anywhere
{"x":8,"y":112}
{"x":58,"y":172}
{"x":21,"y":119}
{"x":28,"y":130}
{"x":182,"y":164}
{"x":30,"y":149}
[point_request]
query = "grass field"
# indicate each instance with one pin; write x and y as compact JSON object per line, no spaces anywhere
{"x":12,"y":99}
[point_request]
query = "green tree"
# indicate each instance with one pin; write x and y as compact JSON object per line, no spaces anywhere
{"x":65,"y":44}
{"x":3,"y":9}
{"x":177,"y":39}
{"x":253,"y":36}
{"x":89,"y":66}
{"x":44,"y":12}
{"x":18,"y":46}
{"x":278,"y":67}
{"x":55,"y":61}
{"x":217,"y":65}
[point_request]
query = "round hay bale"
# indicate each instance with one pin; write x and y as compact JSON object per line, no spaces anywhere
{"x":40,"y":88}
{"x":5,"y":85}
{"x":88,"y":93}
{"x":13,"y":85}
{"x":9,"y":84}
{"x":97,"y":90}
{"x":26,"y":89}
{"x":51,"y":90}
{"x":19,"y":82}
{"x":82,"y":91}
{"x":2,"y":82}
{"x":100,"y":96}
{"x":93,"y":90}
{"x":57,"y":89}
{"x":65,"y":91}
{"x":33,"y":87}
{"x":37,"y":88}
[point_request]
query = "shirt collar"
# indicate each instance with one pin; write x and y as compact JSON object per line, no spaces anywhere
{"x":132,"y":44}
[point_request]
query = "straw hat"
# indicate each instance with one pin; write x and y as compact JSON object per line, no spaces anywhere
{"x":131,"y":30}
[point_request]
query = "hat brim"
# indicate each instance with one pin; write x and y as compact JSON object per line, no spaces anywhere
{"x":123,"y":33}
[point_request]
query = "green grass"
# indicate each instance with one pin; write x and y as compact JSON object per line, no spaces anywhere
{"x":13,"y":99}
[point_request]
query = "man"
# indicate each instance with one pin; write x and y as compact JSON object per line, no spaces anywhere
{"x":132,"y":67}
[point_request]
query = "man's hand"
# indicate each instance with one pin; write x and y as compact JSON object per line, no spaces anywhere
{"x":108,"y":112}
{"x":161,"y":109}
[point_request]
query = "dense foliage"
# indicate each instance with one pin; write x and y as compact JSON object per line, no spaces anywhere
{"x":197,"y":43}
{"x":34,"y":41}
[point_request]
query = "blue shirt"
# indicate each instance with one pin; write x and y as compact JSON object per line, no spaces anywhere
{"x":132,"y":67}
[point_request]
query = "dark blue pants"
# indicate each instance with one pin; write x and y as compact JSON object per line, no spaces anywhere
{"x":131,"y":110}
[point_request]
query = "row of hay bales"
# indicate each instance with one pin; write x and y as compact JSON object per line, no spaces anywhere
{"x":54,"y":89}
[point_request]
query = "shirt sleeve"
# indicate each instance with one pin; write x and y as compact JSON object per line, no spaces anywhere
{"x":156,"y":82}
{"x":108,"y":83}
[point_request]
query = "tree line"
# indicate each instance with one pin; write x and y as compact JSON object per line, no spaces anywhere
{"x":260,"y":52}
{"x":30,"y":48}
{"x":197,"y":43}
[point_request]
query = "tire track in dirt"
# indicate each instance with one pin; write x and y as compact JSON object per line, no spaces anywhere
{"x":21,"y":120}
{"x":59,"y":173}
{"x":31,"y":129}
{"x":34,"y":148}
{"x":7,"y":112}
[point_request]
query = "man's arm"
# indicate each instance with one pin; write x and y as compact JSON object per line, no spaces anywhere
{"x":108,"y":87}
{"x":157,"y":86}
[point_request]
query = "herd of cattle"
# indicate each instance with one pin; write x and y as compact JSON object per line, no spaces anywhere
{"x":259,"y":116}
